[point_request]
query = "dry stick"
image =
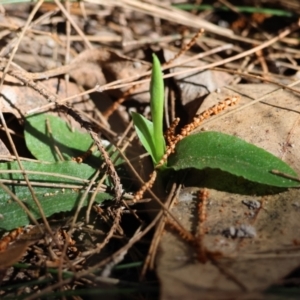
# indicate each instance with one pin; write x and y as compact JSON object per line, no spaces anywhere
{"x":111,"y":168}
{"x":132,"y":89}
{"x":56,"y":149}
{"x":26,"y":77}
{"x":254,"y":101}
{"x":241,"y":55}
{"x":93,"y":55}
{"x":167,"y":12}
{"x":118,"y":83}
{"x":26,"y":26}
{"x":186,"y":47}
{"x":67,"y":60}
{"x":149,"y":260}
{"x":80,"y":274}
{"x":40,"y":20}
{"x":150,"y":191}
{"x":62,"y":186}
{"x":201,"y":250}
{"x":262,"y":62}
{"x":71,"y":20}
{"x":86,"y":181}
{"x":117,"y":157}
{"x":83,"y":197}
{"x":92,"y":200}
{"x":105,"y":218}
{"x":276,"y":172}
{"x":253,"y":76}
{"x":88,"y":55}
{"x":208,"y":66}
{"x":116,"y":222}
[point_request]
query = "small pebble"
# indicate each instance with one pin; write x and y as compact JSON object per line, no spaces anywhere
{"x":243,"y":231}
{"x":252,"y":204}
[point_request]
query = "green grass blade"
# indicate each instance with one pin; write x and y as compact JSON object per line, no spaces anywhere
{"x":157,"y":107}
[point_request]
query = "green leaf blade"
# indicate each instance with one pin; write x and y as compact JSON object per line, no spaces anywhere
{"x":228,"y":153}
{"x":157,"y":107}
{"x":48,"y":187}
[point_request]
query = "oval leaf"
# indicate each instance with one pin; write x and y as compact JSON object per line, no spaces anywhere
{"x":228,"y":153}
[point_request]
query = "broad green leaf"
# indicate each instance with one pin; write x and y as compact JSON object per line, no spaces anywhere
{"x":157,"y":107}
{"x":41,"y":143}
{"x":54,"y":198}
{"x":144,"y":130}
{"x":228,"y":153}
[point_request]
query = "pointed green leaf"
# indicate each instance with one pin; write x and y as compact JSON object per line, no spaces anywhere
{"x":231,"y":154}
{"x":157,"y":108}
{"x":54,"y":198}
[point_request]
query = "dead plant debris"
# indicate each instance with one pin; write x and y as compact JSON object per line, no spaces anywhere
{"x":89,"y":63}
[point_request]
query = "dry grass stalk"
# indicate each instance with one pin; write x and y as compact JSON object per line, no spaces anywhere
{"x":148,"y":185}
{"x":183,"y":233}
{"x":201,"y":250}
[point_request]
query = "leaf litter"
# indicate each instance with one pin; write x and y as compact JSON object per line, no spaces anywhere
{"x":94,"y":61}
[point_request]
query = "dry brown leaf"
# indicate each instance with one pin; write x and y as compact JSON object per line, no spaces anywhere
{"x":258,"y":236}
{"x":19,"y":99}
{"x":13,"y":254}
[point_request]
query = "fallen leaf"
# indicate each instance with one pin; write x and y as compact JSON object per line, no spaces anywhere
{"x":258,"y":244}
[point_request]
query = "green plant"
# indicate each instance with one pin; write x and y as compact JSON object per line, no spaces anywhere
{"x":58,"y":182}
{"x":205,"y":150}
{"x":151,"y":133}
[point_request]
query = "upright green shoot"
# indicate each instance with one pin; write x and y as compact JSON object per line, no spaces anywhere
{"x":151,"y":133}
{"x":157,"y":107}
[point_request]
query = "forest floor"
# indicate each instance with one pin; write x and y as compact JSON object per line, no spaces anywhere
{"x":72,"y":221}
